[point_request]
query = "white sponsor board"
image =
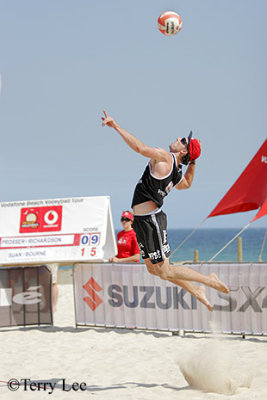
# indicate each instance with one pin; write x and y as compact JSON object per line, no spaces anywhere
{"x":126,"y":295}
{"x":56,"y":230}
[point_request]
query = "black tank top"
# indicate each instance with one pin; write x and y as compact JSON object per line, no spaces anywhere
{"x":155,"y":189}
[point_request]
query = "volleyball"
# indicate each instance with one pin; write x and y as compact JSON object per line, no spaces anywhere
{"x":169,"y":23}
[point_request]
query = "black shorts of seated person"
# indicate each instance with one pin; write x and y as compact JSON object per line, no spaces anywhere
{"x":151,"y":233}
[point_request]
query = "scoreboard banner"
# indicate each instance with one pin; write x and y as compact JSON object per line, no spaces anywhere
{"x":57,"y":230}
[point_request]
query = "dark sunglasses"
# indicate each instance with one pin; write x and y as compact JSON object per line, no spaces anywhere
{"x":184,"y":141}
{"x":125,"y":219}
{"x":186,"y":158}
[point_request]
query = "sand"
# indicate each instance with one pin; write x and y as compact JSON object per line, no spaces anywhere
{"x":126,"y":364}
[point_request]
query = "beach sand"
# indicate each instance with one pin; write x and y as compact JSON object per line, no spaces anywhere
{"x":126,"y":364}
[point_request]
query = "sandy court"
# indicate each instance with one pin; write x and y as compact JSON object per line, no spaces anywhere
{"x":124,"y":364}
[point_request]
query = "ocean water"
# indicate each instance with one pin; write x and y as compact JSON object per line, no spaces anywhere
{"x":209,"y":241}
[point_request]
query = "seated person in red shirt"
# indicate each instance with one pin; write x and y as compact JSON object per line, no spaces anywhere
{"x":128,"y":250}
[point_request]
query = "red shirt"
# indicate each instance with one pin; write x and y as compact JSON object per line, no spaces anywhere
{"x":127,"y":244}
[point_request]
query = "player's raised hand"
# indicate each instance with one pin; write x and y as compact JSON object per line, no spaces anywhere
{"x":107,"y":120}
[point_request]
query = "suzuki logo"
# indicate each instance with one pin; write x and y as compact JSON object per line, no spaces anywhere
{"x":91,"y":288}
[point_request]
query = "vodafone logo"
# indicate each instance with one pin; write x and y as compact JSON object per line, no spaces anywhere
{"x":264,"y":159}
{"x":93,"y":300}
{"x":169,"y":187}
{"x":51,"y":217}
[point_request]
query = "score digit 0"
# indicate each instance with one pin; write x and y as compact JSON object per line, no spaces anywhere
{"x":85,"y":240}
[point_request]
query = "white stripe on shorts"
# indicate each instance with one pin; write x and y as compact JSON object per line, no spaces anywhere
{"x":155,"y":222}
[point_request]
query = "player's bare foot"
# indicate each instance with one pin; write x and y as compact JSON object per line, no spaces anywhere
{"x":201,"y":296}
{"x":215,"y":283}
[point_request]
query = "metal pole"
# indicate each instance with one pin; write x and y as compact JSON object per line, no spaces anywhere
{"x":262,"y":247}
{"x":239,"y":249}
{"x":227,"y":244}
{"x":74,"y":293}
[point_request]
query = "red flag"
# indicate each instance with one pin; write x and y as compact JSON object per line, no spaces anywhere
{"x":261,"y":212}
{"x":249,"y":192}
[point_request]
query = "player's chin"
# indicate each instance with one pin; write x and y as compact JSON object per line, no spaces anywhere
{"x":172,"y":149}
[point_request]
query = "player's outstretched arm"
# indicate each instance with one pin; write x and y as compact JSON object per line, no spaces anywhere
{"x":134,"y":143}
{"x":188,"y":178}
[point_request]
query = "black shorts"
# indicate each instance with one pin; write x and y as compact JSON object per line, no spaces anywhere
{"x":151,"y":233}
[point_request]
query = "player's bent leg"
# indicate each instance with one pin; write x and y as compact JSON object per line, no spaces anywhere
{"x":185,"y":273}
{"x":181,"y":272}
{"x":150,"y":267}
{"x":199,"y":292}
{"x":160,"y":269}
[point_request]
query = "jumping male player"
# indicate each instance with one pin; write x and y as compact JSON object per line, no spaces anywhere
{"x":163,"y":172}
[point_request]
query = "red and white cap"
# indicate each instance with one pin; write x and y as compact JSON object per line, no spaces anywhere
{"x":127,"y":214}
{"x":193,"y":147}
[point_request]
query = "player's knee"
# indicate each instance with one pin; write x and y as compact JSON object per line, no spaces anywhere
{"x":166,"y":272}
{"x":150,"y":269}
{"x":163,"y":276}
{"x":162,"y":271}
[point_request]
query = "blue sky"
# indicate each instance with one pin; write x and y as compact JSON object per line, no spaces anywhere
{"x":62,"y":62}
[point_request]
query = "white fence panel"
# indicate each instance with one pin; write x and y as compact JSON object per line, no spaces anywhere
{"x":126,"y":295}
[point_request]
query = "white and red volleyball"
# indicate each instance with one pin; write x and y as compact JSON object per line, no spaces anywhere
{"x":169,"y":23}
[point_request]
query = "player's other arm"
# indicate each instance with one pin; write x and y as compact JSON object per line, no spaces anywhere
{"x":134,"y":143}
{"x":188,"y":178}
